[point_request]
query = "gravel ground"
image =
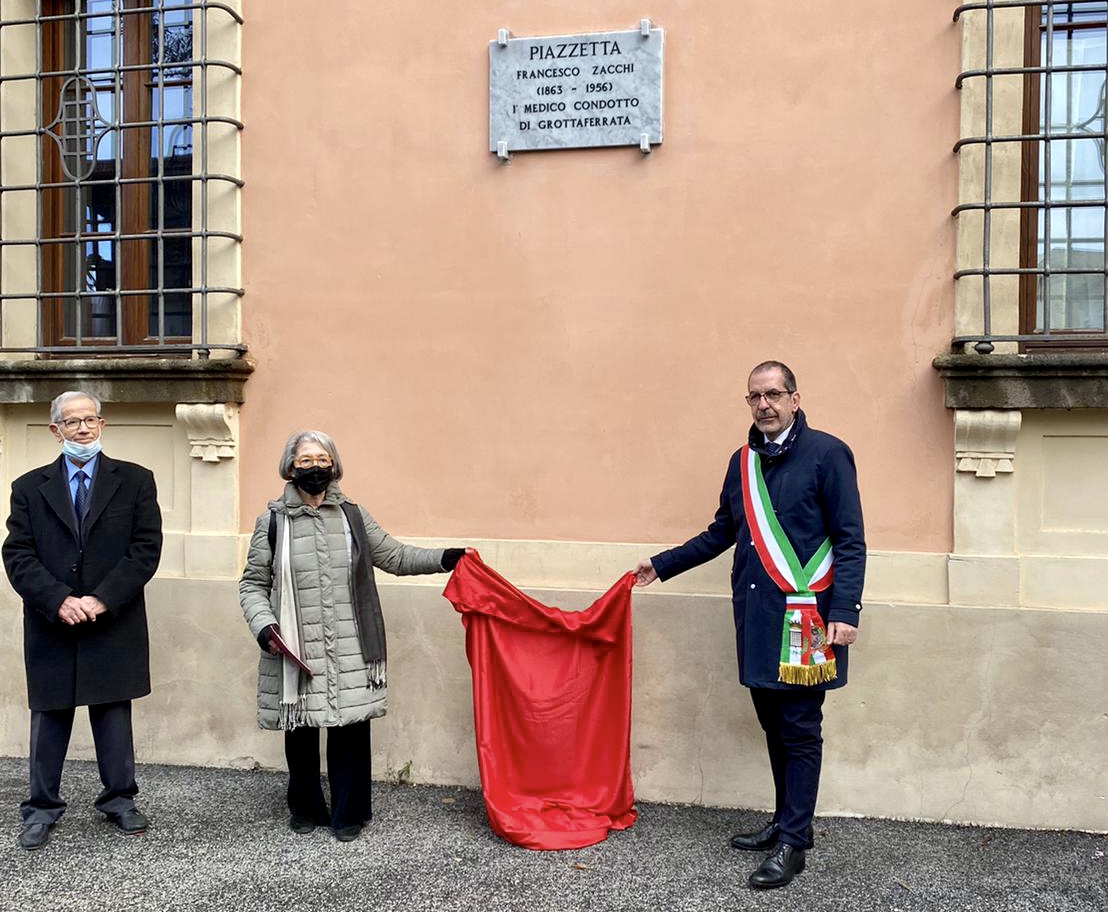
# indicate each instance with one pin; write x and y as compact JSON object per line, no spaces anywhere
{"x":218,"y":841}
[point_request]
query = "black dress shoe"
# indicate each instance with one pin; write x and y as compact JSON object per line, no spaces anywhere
{"x":131,"y":822}
{"x":34,"y":835}
{"x":779,"y":868}
{"x":765,"y":839}
{"x":300,"y":824}
{"x":348,"y":833}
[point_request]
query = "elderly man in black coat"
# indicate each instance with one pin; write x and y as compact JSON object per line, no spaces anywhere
{"x":790,"y":508}
{"x":84,"y":538}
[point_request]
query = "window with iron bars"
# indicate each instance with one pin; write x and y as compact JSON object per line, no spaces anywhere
{"x":1038,"y":242}
{"x":125,"y":228}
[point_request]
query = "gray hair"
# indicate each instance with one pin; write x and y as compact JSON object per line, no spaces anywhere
{"x":284,"y":467}
{"x":68,"y":396}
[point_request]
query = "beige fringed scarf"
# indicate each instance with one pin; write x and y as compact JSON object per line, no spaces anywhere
{"x":288,"y":617}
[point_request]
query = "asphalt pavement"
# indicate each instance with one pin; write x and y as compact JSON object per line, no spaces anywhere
{"x":218,"y":841}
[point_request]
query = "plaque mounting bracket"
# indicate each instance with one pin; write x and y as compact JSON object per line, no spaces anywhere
{"x":644,"y":27}
{"x":502,"y":36}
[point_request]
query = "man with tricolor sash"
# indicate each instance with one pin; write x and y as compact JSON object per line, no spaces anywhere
{"x":790,"y":507}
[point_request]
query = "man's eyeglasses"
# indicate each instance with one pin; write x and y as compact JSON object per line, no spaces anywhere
{"x":89,"y":421}
{"x":306,"y":462}
{"x":769,"y":395}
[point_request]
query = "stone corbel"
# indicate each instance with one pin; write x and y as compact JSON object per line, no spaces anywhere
{"x":985,"y":440}
{"x":212,"y":430}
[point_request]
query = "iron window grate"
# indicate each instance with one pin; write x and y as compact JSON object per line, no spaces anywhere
{"x":128,"y":216}
{"x":1061,"y":270}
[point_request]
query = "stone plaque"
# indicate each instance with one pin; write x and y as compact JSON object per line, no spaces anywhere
{"x":571,"y":91}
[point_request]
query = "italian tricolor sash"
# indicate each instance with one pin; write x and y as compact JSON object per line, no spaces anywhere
{"x":806,"y":656}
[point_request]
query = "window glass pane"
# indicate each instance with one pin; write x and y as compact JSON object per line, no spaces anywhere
{"x":173,"y":103}
{"x":171,"y":147}
{"x":1077,"y":12}
{"x":98,"y":260}
{"x":172,"y":37}
{"x":176,"y":267}
{"x":1072,"y":103}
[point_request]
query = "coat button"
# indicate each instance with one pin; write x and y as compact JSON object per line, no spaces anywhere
{"x":751,"y":585}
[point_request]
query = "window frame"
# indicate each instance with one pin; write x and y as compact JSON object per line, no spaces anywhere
{"x":1031,"y":271}
{"x":134,"y":165}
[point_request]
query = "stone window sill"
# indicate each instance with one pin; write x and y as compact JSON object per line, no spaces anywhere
{"x":140,"y":380}
{"x":1063,"y":380}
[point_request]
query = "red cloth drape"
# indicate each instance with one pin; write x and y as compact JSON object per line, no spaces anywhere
{"x":551,"y":708}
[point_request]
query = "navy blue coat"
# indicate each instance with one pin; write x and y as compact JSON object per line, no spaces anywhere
{"x":813,"y":486}
{"x":99,"y":661}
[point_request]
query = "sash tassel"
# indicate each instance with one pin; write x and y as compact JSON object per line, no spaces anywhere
{"x":806,"y":656}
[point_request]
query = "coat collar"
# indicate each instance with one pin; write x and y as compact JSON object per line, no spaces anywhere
{"x":291,"y":503}
{"x":757,"y":439}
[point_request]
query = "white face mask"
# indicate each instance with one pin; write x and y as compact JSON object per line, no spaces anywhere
{"x":80,"y":452}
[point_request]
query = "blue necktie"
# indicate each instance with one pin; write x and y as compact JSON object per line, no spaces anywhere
{"x":772,"y":449}
{"x":80,"y":502}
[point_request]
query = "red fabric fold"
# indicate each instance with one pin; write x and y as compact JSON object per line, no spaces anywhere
{"x":551,"y":709}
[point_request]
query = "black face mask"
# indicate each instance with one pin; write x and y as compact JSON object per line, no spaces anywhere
{"x":314,"y":480}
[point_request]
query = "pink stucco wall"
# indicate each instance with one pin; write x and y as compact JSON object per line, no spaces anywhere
{"x":556,"y":348}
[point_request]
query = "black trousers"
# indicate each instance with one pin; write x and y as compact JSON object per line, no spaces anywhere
{"x":349,"y":771}
{"x":792,"y":721}
{"x":115,"y":757}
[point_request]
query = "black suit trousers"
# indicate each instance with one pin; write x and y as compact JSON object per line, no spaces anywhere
{"x":792,"y":720}
{"x":115,"y":758}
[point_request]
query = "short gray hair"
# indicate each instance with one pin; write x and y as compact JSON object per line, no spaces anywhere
{"x":68,"y":396}
{"x":284,"y":467}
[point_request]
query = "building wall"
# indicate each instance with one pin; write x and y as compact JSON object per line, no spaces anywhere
{"x":545,"y":359}
{"x":555,"y":348}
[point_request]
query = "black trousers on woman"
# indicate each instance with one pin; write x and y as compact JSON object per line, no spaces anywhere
{"x":349,"y":771}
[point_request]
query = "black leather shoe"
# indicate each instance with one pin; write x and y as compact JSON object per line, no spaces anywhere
{"x":301,"y":825}
{"x":765,"y":839}
{"x":779,"y":868}
{"x":348,"y":833}
{"x":131,"y":822}
{"x":34,"y":835}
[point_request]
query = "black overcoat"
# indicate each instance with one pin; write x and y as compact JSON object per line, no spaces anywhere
{"x":99,"y":661}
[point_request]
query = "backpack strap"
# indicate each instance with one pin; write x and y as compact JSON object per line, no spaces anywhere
{"x":272,"y":531}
